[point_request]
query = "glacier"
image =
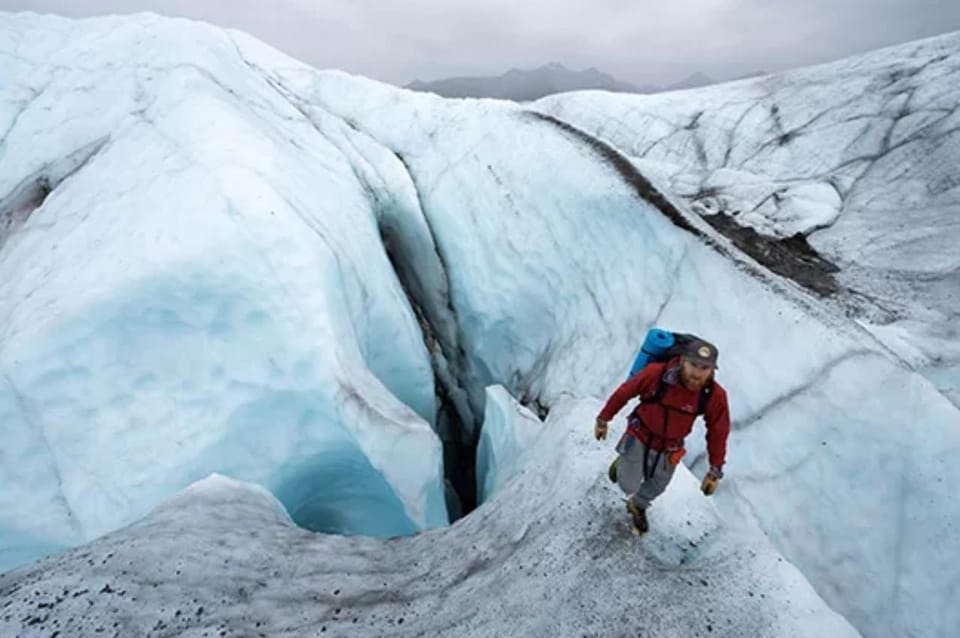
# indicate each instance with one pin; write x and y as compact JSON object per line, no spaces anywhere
{"x":856,"y":156}
{"x":217,"y":260}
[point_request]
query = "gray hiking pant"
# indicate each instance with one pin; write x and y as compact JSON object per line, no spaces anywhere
{"x":630,"y":471}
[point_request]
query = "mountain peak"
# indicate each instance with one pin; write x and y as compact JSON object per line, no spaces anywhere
{"x":553,"y":77}
{"x":527,"y":84}
{"x":692,"y":81}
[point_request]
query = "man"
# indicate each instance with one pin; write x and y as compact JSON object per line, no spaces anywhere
{"x":672,"y":394}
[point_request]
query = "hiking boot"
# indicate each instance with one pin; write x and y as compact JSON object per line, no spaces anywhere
{"x":639,"y":516}
{"x":612,"y":471}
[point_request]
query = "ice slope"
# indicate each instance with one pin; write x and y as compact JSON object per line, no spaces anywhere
{"x":222,"y":558}
{"x":536,"y":256}
{"x":860,"y":154}
{"x":203,"y":289}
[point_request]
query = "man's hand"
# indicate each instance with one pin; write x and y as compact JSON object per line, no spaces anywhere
{"x":711,"y":481}
{"x":600,"y":429}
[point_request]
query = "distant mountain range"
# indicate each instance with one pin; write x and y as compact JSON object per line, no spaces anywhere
{"x":524,"y":85}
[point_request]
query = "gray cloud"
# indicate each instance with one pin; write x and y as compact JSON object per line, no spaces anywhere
{"x":635,"y":40}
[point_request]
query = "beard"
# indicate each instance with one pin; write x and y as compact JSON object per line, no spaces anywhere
{"x":692,"y":383}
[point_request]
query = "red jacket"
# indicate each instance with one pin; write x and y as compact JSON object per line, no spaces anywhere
{"x":665,"y":424}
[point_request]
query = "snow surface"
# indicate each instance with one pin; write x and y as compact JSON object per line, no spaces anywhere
{"x":222,"y":558}
{"x":213,"y":284}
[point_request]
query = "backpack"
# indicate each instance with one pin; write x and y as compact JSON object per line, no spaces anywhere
{"x":660,"y":346}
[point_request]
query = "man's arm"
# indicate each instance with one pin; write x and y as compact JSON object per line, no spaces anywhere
{"x":642,"y":383}
{"x":717,"y":418}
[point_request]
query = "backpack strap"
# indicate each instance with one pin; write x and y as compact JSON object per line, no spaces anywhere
{"x":656,"y":397}
{"x":660,"y":392}
{"x":705,"y":393}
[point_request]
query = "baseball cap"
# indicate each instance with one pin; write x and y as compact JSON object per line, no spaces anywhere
{"x":699,"y":351}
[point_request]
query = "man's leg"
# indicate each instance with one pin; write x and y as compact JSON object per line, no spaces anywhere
{"x":630,"y":467}
{"x":657,"y":483}
{"x":635,"y":463}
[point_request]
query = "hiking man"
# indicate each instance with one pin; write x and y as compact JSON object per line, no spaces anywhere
{"x":672,"y":394}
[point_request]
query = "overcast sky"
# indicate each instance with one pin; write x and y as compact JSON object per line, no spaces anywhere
{"x":634,"y":40}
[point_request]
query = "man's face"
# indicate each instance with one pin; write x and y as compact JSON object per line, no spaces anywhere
{"x":694,"y":375}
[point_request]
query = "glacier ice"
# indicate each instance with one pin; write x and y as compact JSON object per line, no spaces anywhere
{"x":175,"y":311}
{"x":509,"y":430}
{"x":270,"y":272}
{"x":858,"y":155}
